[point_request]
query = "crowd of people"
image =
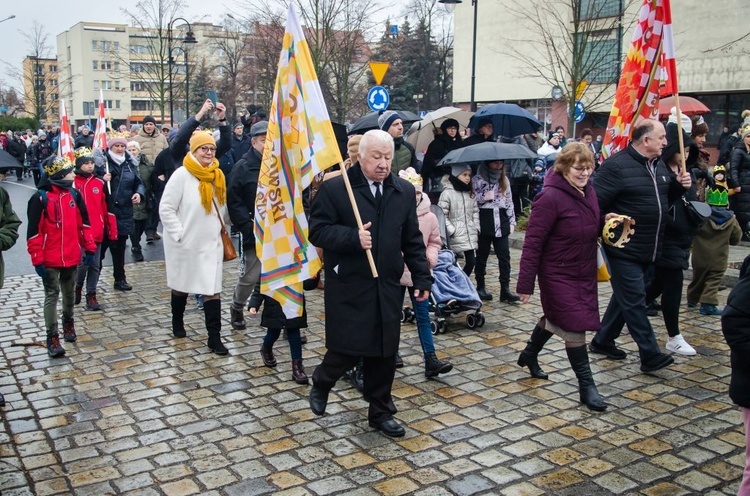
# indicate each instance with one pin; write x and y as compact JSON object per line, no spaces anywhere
{"x":191,"y":180}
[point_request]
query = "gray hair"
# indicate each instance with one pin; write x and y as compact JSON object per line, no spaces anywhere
{"x":375,"y":137}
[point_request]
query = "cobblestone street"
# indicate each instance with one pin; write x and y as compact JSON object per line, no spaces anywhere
{"x":130,"y":410}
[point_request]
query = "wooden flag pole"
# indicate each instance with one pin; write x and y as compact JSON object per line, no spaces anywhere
{"x":680,"y":141}
{"x":358,"y":218}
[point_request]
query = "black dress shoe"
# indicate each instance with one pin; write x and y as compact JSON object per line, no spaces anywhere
{"x":2,"y":400}
{"x":388,"y":427}
{"x":123,"y":286}
{"x":399,"y":361}
{"x":318,"y":400}
{"x":609,"y":350}
{"x":656,"y":362}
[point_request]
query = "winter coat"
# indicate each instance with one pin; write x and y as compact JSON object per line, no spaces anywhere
{"x":241,"y":189}
{"x":363,"y":313}
{"x":735,"y":324}
{"x":626,"y":185}
{"x":496,"y":213}
{"x":428,"y":226}
{"x":711,"y":245}
{"x":151,"y":144}
{"x":145,"y":170}
{"x":461,"y":218}
{"x":9,"y":223}
{"x":125,"y":182}
{"x":17,"y":148}
{"x":59,"y":229}
{"x":240,"y":146}
{"x":403,"y":156}
{"x":546,"y":150}
{"x":739,"y":175}
{"x":193,"y":250}
{"x":84,"y":140}
{"x":101,"y":221}
{"x":39,"y":152}
{"x":560,"y":251}
{"x":680,"y":229}
{"x":438,"y":148}
{"x":273,"y":316}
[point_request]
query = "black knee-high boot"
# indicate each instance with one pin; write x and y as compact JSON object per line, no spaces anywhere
{"x":212,"y":309}
{"x":579,"y":360}
{"x":528,"y":357}
{"x":178,"y":313}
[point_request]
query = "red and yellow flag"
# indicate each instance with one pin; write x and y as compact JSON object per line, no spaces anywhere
{"x":100,"y":134}
{"x":65,"y":146}
{"x":648,"y":72}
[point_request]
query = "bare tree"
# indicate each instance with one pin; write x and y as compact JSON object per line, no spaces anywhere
{"x":572,"y":44}
{"x":9,"y":100}
{"x":232,"y":64}
{"x":147,"y":63}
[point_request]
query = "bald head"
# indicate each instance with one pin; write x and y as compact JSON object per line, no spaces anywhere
{"x":649,"y":138}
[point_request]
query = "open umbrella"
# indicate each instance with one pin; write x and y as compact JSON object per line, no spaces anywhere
{"x":488,"y":150}
{"x":8,"y":163}
{"x":370,"y":121}
{"x":422,"y":133}
{"x":508,"y":119}
{"x":688,"y":106}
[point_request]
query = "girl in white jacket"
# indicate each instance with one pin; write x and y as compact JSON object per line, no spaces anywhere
{"x":461,"y":214}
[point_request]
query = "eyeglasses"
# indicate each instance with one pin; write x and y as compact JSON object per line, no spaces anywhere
{"x":581,"y":170}
{"x":208,"y":149}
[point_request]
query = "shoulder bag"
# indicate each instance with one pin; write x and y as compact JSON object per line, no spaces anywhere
{"x":229,"y":252}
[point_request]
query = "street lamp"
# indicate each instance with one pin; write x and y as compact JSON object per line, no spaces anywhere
{"x":187,"y":78}
{"x":8,"y":18}
{"x":474,"y":3}
{"x":418,"y":98}
{"x":190,"y":39}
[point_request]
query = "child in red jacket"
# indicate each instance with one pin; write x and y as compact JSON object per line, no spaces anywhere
{"x":102,"y":223}
{"x":58,"y":228}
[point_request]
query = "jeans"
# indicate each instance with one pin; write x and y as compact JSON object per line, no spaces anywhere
{"x":248,"y":279}
{"x":422,"y":313}
{"x":90,"y":273}
{"x":628,"y":306}
{"x":58,"y":281}
{"x":292,"y":335}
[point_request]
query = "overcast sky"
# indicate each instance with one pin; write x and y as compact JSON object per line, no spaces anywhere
{"x":59,"y":15}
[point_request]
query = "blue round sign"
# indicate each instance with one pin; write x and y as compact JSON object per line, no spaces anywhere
{"x":378,"y":98}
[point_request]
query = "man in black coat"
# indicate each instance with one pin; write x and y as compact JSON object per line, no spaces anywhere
{"x":634,"y":182}
{"x":85,"y":138}
{"x":243,"y":185}
{"x":17,"y":148}
{"x":363,"y":313}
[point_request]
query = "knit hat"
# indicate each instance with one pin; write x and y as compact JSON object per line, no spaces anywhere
{"x":745,"y":132}
{"x":259,"y":128}
{"x":149,"y":118}
{"x":687,"y":124}
{"x":58,"y":168}
{"x":83,"y":155}
{"x":449,"y":123}
{"x":114,"y":138}
{"x":483,"y":121}
{"x":201,"y":138}
{"x":238,"y":124}
{"x":133,"y":143}
{"x":411,"y":175}
{"x":458,"y":169}
{"x":387,"y":118}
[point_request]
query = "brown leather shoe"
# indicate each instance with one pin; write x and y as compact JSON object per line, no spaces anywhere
{"x":298,"y":372}
{"x":267,"y":355}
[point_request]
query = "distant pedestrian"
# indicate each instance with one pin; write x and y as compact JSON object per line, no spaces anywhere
{"x":58,"y":229}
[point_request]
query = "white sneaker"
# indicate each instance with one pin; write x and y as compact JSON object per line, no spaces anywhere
{"x":678,"y":345}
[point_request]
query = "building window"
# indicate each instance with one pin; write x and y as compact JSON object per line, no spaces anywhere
{"x":94,"y":45}
{"x":117,"y":104}
{"x":107,"y":103}
{"x":95,"y":64}
{"x":116,"y":46}
{"x":140,"y":105}
{"x":117,"y":84}
{"x":105,"y":65}
{"x":106,"y":85}
{"x":137,"y":86}
{"x":53,"y":82}
{"x":598,"y":9}
{"x":53,"y":68}
{"x":117,"y":67}
{"x":96,"y":84}
{"x":53,"y":96}
{"x":600,"y":63}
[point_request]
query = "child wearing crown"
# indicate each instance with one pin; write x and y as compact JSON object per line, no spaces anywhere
{"x":101,"y":221}
{"x":58,"y":228}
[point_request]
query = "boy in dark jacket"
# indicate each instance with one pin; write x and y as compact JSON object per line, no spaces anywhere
{"x":58,"y":228}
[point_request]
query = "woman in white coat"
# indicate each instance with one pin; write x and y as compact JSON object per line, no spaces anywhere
{"x":193,"y":199}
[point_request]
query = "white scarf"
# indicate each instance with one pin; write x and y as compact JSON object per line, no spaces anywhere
{"x":118,"y":159}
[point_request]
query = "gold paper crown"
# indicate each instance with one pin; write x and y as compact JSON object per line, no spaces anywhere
{"x":83,"y":151}
{"x":627,"y":230}
{"x":57,"y":164}
{"x":720,"y":169}
{"x":411,"y":175}
{"x":118,"y":135}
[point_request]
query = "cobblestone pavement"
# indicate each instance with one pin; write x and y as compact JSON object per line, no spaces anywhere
{"x":130,"y":410}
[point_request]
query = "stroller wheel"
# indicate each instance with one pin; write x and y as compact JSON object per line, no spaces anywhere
{"x":480,"y":320}
{"x":407,"y":315}
{"x":442,"y":327}
{"x":434,"y":328}
{"x":471,"y":321}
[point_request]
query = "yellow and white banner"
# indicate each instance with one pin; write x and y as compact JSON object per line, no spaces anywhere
{"x":299,"y":144}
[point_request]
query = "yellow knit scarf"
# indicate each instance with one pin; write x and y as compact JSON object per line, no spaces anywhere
{"x":211,"y":179}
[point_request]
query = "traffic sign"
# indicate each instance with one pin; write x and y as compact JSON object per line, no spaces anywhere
{"x":578,"y":111}
{"x":378,"y":98}
{"x":580,"y":117}
{"x":378,"y":70}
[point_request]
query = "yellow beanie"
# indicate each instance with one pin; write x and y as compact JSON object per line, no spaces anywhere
{"x":199,"y":139}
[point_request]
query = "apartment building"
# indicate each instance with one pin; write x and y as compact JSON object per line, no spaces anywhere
{"x":41,"y":88}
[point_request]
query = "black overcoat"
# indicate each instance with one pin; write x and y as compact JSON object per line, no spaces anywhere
{"x":735,"y":324}
{"x":363,"y":314}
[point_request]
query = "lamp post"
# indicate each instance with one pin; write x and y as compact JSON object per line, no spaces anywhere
{"x":418,"y":98}
{"x":474,"y":3}
{"x":187,"y":79}
{"x":190,"y":39}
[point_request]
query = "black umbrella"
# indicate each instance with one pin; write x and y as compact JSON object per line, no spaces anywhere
{"x":370,"y":121}
{"x":8,"y":163}
{"x":487,"y":151}
{"x":507,"y":119}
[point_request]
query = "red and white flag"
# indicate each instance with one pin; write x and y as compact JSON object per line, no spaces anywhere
{"x":100,"y":134}
{"x":65,"y":146}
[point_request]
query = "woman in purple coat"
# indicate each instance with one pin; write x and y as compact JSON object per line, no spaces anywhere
{"x":560,"y":250}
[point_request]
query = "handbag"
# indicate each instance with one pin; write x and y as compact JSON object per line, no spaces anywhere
{"x":229,"y":252}
{"x":698,"y":212}
{"x":602,"y":271}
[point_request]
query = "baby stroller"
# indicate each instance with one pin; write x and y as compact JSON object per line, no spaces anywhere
{"x":452,"y":292}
